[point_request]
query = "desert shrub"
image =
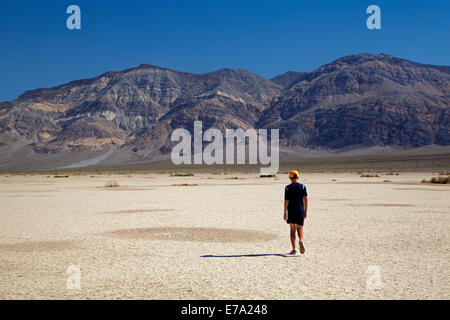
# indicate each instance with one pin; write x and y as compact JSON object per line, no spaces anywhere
{"x":438,"y":180}
{"x":369,"y":175}
{"x":443,"y":180}
{"x":58,"y":177}
{"x":185,"y":185}
{"x":182,"y":175}
{"x":268,"y":176}
{"x":113,"y":184}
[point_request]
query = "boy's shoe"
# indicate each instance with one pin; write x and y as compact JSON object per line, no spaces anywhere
{"x":293,"y":252}
{"x":302,"y":247}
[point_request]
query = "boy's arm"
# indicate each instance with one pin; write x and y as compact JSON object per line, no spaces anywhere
{"x":306,"y":205}
{"x":286,"y":203}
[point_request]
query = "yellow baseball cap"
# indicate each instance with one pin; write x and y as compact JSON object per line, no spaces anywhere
{"x":293,"y":173}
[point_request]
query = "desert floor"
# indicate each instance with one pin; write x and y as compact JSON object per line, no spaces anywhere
{"x":222,"y":238}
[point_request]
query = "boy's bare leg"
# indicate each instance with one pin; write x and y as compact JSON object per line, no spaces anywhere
{"x":293,"y":227}
{"x":300,"y":231}
{"x":300,"y":236}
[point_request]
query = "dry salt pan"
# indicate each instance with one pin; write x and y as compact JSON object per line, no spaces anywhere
{"x":213,"y":153}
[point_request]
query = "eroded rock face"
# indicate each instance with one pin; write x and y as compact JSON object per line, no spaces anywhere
{"x":115,"y":108}
{"x":365,"y":100}
{"x":360,"y":100}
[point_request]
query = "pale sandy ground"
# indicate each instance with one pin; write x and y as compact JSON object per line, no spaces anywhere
{"x":222,"y":239}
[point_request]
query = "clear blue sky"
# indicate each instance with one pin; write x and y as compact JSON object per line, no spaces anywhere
{"x":265,"y":37}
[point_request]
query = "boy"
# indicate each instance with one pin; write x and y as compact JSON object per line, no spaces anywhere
{"x":295,"y":209}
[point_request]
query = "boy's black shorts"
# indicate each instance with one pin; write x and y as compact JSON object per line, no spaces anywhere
{"x":296,"y":217}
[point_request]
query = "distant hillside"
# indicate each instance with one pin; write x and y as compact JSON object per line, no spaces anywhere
{"x":365,"y":100}
{"x":358,"y":101}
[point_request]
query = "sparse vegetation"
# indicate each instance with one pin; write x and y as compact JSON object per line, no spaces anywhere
{"x":268,"y":176}
{"x":185,"y":185}
{"x":392,"y":174}
{"x":438,"y":180}
{"x":182,"y":175}
{"x":61,"y":177}
{"x":113,"y":184}
{"x":436,"y":163}
{"x":369,"y":175}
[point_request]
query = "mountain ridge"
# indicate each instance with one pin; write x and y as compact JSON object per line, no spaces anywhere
{"x":357,"y":101}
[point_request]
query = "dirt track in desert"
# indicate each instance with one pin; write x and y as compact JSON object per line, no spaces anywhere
{"x":214,"y":237}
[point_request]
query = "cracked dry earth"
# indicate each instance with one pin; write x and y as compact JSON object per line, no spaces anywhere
{"x":209,"y":237}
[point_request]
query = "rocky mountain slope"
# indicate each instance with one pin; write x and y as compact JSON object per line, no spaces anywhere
{"x":365,"y":100}
{"x":356,"y":101}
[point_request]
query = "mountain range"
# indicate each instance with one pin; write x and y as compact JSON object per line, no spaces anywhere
{"x":358,"y":101}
